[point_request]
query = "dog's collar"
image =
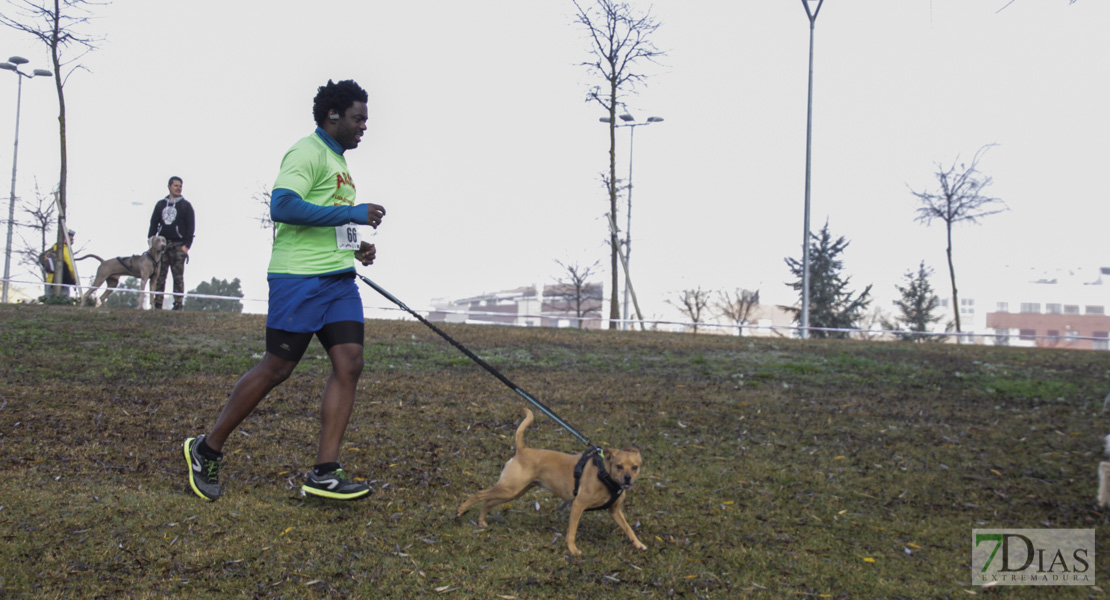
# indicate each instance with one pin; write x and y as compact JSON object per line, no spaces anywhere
{"x":597,"y":456}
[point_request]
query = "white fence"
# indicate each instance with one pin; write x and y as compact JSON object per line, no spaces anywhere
{"x":747,"y":330}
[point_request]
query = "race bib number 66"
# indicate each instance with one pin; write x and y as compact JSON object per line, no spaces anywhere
{"x":347,"y":237}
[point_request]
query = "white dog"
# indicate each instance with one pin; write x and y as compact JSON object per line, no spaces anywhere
{"x":1104,"y":478}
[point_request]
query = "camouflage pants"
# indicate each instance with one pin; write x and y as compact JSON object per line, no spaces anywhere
{"x":173,"y":259}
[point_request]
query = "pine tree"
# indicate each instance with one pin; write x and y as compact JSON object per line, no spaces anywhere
{"x":831,"y":304}
{"x":917,"y":307}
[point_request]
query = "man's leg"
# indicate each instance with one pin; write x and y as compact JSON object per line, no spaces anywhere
{"x":328,"y":479}
{"x":68,"y":279}
{"x":247,"y":393}
{"x":339,"y":399}
{"x":178,"y":269}
{"x":203,"y":453}
{"x":159,"y":284}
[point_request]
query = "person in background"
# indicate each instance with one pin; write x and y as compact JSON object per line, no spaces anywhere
{"x":173,"y":219}
{"x":47,"y":262}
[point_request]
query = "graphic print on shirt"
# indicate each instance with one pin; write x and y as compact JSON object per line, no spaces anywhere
{"x":340,"y":196}
{"x":169,"y":213}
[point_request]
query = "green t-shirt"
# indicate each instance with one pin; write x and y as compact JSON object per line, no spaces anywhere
{"x":318,"y":175}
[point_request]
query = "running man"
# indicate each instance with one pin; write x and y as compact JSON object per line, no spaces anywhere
{"x":312,"y":292}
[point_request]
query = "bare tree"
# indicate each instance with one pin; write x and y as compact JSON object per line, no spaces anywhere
{"x":960,"y":198}
{"x":42,"y":215}
{"x":620,"y":42}
{"x":692,"y":303}
{"x":264,"y":219}
{"x":575,"y":294}
{"x":57,"y":24}
{"x":737,"y":308}
{"x":870,"y":324}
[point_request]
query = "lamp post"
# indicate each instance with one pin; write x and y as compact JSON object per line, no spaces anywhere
{"x":809,"y":136}
{"x":13,"y":66}
{"x":630,"y":122}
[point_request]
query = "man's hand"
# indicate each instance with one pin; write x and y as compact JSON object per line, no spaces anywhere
{"x":365,"y":254}
{"x":374,"y":215}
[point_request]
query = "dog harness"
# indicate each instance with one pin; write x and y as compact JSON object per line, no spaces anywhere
{"x":126,"y":262}
{"x":596,"y":455}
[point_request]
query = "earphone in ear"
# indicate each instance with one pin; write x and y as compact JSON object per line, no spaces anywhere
{"x":333,"y":117}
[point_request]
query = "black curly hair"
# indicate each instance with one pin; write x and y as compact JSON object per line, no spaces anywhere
{"x":336,"y":96}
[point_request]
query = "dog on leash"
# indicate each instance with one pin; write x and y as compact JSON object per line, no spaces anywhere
{"x":589,"y":489}
{"x":140,"y":266}
{"x":1104,"y":478}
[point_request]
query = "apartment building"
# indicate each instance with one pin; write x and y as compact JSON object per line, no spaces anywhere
{"x":1062,"y":308}
{"x":557,"y":305}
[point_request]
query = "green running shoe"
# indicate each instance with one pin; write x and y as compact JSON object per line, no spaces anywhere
{"x":335,"y":485}
{"x":204,"y":474}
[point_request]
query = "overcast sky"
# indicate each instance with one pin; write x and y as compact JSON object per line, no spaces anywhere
{"x":487,"y":157}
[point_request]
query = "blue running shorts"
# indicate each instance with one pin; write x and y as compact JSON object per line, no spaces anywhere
{"x":307,"y":304}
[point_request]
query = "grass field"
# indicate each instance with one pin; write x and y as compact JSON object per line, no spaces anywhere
{"x":773,"y":468}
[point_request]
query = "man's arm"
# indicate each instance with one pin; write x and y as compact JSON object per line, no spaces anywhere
{"x":155,"y":220}
{"x":286,"y":206}
{"x":189,"y":226}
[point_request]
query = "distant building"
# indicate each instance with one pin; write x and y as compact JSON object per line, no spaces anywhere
{"x":1064,"y":308}
{"x":1061,"y":308}
{"x":556,"y":305}
{"x":767,"y":320}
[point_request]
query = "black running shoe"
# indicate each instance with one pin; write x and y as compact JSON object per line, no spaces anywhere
{"x":335,"y":485}
{"x":204,"y":474}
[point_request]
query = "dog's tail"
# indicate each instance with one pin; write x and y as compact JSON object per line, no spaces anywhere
{"x":1107,"y":444}
{"x":528,"y":418}
{"x":89,"y":256}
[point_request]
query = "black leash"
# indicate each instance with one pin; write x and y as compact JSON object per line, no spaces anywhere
{"x":545,"y":410}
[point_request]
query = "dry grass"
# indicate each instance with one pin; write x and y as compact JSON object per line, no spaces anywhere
{"x":824,"y":469}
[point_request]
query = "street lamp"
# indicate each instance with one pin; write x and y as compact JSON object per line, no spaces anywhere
{"x":630,"y":122}
{"x":13,"y":66}
{"x":812,"y":14}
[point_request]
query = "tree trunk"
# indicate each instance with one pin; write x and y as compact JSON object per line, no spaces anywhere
{"x":614,"y":241}
{"x":952,"y":277}
{"x":59,"y":265}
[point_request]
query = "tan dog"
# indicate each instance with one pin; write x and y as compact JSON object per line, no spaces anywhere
{"x":554,"y":471}
{"x":141,"y":266}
